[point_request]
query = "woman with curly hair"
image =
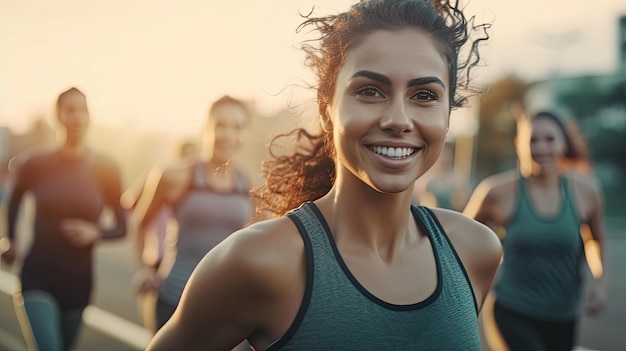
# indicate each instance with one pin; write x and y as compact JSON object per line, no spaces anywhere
{"x":348,"y":263}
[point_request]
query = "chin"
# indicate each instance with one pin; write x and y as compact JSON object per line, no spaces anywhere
{"x":391,"y":187}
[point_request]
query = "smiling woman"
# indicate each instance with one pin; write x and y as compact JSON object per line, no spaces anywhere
{"x":543,"y":209}
{"x":348,"y":263}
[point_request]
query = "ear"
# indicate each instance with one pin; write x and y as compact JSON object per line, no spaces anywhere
{"x":325,"y":122}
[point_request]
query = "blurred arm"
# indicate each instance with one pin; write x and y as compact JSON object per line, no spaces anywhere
{"x":596,"y":297}
{"x":479,"y":205}
{"x":112,"y":195}
{"x":149,"y":204}
{"x":21,"y":185}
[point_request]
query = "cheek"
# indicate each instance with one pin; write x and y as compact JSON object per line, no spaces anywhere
{"x":434,"y":130}
{"x":561,"y":147}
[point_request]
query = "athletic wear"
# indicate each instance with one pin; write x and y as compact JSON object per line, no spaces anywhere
{"x":164,"y":310}
{"x":523,"y":333}
{"x":338,"y":313}
{"x":64,"y":188}
{"x":205,"y":218}
{"x":53,"y":329}
{"x":540,"y":273}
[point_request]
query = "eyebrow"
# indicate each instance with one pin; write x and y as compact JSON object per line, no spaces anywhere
{"x":385,"y":80}
{"x":424,"y":81}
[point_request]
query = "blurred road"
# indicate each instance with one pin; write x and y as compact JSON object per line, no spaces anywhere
{"x":112,"y":324}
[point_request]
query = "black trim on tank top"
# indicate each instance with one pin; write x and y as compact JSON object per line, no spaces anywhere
{"x":414,"y":306}
{"x":308,"y":289}
{"x":435,"y":220}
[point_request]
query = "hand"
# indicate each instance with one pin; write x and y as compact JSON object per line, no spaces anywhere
{"x":80,"y":233}
{"x":595,"y":300}
{"x":147,"y":280}
{"x":9,"y":255}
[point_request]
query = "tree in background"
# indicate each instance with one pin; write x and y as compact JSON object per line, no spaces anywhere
{"x":494,"y":141}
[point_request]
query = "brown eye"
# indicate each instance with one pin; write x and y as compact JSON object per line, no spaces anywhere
{"x":369,"y":92}
{"x":425,"y":95}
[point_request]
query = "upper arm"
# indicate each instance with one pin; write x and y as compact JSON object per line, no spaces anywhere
{"x":220,"y":304}
{"x":213,"y":301}
{"x":478,"y":248}
{"x":23,"y":180}
{"x":595,"y":219}
{"x":478,"y":206}
{"x":112,"y":185}
{"x":152,"y":197}
{"x":108,"y":176}
{"x":250,"y":286}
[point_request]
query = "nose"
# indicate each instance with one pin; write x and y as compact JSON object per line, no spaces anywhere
{"x":228,"y":136}
{"x":395,"y":119}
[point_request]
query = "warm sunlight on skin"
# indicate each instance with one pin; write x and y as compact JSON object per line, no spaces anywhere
{"x":4,"y":244}
{"x":592,"y":252}
{"x":490,"y":329}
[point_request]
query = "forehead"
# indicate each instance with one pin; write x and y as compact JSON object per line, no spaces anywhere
{"x":229,"y":112}
{"x":406,"y":53}
{"x":546,"y":125}
{"x":73,"y":98}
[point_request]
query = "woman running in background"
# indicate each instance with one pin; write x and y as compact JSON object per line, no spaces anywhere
{"x":71,"y":186}
{"x":209,"y":199}
{"x":541,"y":207}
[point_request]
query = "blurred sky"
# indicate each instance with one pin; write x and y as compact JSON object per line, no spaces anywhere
{"x":159,"y":64}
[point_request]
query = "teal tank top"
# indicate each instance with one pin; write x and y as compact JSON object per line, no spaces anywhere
{"x":540,"y":274}
{"x":338,"y":313}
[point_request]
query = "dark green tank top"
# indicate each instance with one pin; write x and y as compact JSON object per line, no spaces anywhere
{"x":542,"y":259}
{"x":338,"y":313}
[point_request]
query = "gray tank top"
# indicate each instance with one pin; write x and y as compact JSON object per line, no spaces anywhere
{"x":205,"y":217}
{"x":338,"y":313}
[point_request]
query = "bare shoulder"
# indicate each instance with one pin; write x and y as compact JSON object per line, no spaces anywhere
{"x":493,"y":188}
{"x":477,"y":246}
{"x":255,"y":273}
{"x":491,"y":202}
{"x":587,"y":195}
{"x":269,"y":253}
{"x":269,"y":240}
{"x":469,"y":236}
{"x":588,"y":185}
{"x":500,"y":182}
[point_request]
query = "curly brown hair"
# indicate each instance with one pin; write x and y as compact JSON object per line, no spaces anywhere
{"x":308,"y":172}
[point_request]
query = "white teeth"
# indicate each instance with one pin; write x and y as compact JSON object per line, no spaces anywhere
{"x":396,"y":152}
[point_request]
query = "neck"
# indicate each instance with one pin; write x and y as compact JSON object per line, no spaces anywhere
{"x":218,"y":167}
{"x":545,"y":179}
{"x":74,"y":148}
{"x":361,"y":217}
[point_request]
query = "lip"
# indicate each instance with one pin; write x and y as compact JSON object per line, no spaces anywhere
{"x":393,"y":144}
